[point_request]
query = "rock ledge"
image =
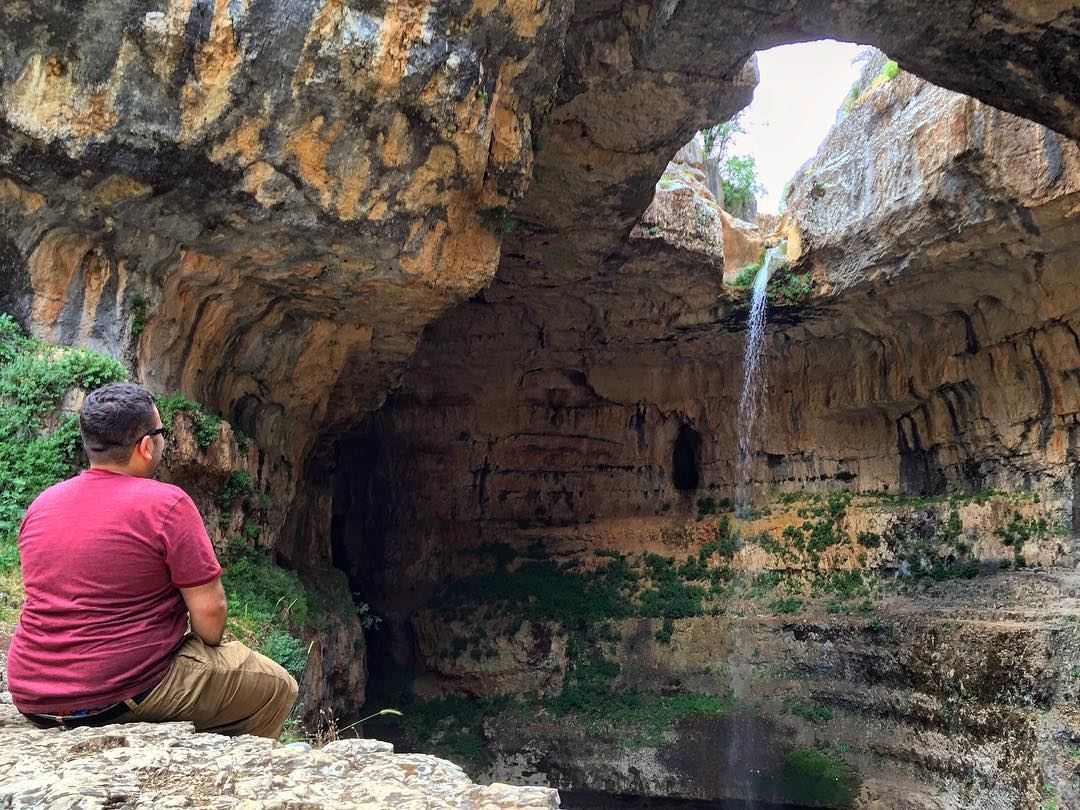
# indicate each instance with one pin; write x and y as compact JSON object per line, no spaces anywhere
{"x":169,"y":765}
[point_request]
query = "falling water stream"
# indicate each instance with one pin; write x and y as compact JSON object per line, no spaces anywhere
{"x":754,"y":390}
{"x":755,"y":383}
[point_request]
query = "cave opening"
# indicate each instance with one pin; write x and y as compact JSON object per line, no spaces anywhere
{"x":686,"y":460}
{"x":750,"y":159}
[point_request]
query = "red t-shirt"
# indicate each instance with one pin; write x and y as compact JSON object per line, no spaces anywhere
{"x":103,"y":555}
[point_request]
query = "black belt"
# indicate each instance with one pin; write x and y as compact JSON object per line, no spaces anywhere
{"x":98,"y":717}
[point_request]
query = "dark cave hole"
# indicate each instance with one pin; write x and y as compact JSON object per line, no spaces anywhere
{"x":685,"y":458}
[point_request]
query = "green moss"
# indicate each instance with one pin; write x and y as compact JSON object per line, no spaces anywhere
{"x":890,"y":70}
{"x":809,"y":775}
{"x":814,"y":712}
{"x":669,"y":597}
{"x":789,"y":605}
{"x":665,"y":631}
{"x":543,"y":590}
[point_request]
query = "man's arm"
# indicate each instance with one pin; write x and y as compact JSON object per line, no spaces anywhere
{"x":206,"y":608}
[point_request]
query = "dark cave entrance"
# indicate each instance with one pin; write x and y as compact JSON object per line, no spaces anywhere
{"x":686,"y":460}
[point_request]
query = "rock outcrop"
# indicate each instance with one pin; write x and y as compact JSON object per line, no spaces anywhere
{"x":169,"y":765}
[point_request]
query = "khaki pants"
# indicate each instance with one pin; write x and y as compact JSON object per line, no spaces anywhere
{"x":228,"y":690}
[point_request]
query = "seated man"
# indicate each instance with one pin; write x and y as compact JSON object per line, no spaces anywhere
{"x":115,"y":564}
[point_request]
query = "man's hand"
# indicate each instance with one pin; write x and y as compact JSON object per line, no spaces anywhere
{"x":206,"y":608}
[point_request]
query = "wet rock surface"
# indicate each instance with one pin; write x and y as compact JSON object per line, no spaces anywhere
{"x":169,"y":765}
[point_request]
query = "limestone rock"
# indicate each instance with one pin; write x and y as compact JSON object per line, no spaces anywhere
{"x":169,"y":765}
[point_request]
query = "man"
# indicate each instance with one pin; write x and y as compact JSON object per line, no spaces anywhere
{"x":115,"y":564}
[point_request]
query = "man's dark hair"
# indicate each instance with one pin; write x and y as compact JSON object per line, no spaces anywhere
{"x":113,"y":418}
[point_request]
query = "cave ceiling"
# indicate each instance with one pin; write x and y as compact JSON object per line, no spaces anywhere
{"x":294,"y":191}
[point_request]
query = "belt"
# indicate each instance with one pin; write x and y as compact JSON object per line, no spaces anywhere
{"x":90,"y":717}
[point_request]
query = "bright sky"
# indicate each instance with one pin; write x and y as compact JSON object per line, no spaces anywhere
{"x":794,"y":107}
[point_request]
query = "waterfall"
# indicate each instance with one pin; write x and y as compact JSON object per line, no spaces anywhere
{"x":755,"y":384}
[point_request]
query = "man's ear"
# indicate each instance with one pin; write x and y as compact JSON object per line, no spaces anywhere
{"x":145,"y":448}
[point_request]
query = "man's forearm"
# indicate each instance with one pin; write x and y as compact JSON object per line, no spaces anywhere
{"x":209,"y":628}
{"x":207,"y":609}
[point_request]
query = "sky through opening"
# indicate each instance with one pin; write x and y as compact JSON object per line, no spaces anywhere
{"x":795,"y":103}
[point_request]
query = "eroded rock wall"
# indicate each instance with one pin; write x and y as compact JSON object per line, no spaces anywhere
{"x":937,"y":352}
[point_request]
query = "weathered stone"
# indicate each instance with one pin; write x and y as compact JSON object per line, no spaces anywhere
{"x":169,"y":765}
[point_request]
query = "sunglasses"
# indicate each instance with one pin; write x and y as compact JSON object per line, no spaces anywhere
{"x":161,"y":431}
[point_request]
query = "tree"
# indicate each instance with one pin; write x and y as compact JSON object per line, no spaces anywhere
{"x":738,"y":175}
{"x":717,"y":138}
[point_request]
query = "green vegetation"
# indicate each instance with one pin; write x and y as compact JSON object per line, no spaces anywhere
{"x":814,"y":712}
{"x":205,"y":424}
{"x":267,"y":604}
{"x":812,"y":776}
{"x":928,"y":543}
{"x":543,"y":590}
{"x":852,"y":96}
{"x":39,"y":445}
{"x":138,"y":308}
{"x":889,"y":71}
{"x":1019,"y":530}
{"x":746,"y":275}
{"x":796,"y":287}
{"x":581,"y":600}
{"x":718,"y":137}
{"x":739,"y":180}
{"x":869,"y":539}
{"x":789,"y":605}
{"x":738,"y":173}
{"x":497,"y":219}
{"x":670,"y":597}
{"x":237,"y":485}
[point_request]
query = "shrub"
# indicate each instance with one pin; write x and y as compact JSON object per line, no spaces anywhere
{"x":286,"y":649}
{"x":745,"y":277}
{"x":34,"y":378}
{"x":869,"y":539}
{"x":725,"y":542}
{"x":138,"y":315}
{"x":669,"y":597}
{"x":890,"y":71}
{"x":237,"y":485}
{"x":665,"y":631}
{"x":796,"y":287}
{"x":205,"y":424}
